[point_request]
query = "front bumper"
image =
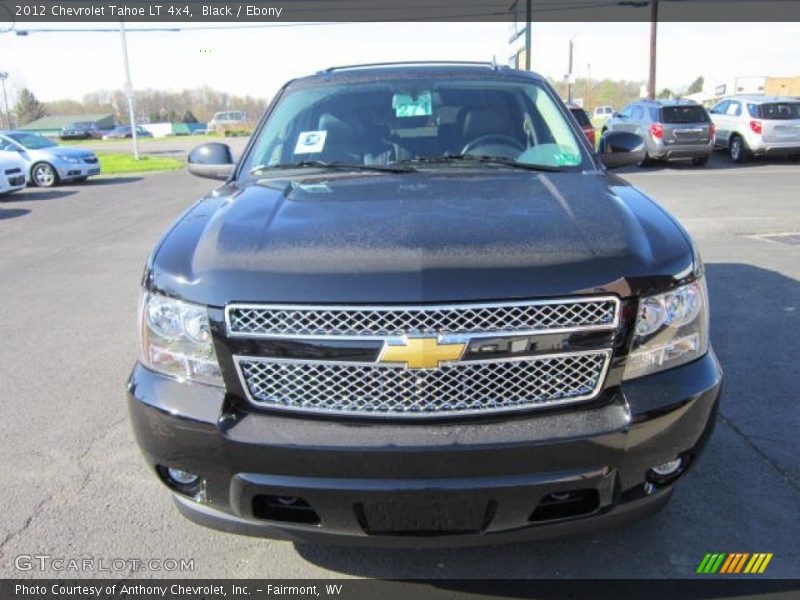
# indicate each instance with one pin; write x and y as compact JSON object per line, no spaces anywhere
{"x":11,"y":183}
{"x":442,"y":483}
{"x":70,"y":171}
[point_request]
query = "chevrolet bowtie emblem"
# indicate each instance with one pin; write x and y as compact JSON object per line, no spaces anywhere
{"x":422,"y":353}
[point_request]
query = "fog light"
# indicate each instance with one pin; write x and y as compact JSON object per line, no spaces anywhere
{"x":668,"y":468}
{"x":181,"y":477}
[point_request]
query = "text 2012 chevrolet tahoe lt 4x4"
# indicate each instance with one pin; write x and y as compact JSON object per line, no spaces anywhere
{"x":420,"y":311}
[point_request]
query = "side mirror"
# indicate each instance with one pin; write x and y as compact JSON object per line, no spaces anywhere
{"x":212,"y":161}
{"x":620,"y":149}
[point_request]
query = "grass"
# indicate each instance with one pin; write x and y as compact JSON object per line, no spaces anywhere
{"x":190,"y":138}
{"x":113,"y":163}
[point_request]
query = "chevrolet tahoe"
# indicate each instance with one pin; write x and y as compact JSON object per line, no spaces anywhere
{"x":421,"y":311}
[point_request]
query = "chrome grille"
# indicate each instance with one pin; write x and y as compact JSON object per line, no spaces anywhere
{"x":454,"y":388}
{"x":381,"y":322}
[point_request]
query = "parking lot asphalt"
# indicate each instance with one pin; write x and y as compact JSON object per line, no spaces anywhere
{"x":75,"y":485}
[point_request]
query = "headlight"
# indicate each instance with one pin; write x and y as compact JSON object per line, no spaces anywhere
{"x":70,"y":159}
{"x":671,"y":330}
{"x":176,"y":340}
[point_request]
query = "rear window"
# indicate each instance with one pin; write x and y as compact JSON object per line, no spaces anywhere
{"x":684,"y":114}
{"x":780,"y":111}
{"x":581,"y":117}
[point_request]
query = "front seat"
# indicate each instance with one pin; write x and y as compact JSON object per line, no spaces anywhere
{"x":478,"y":123}
{"x":343,"y":141}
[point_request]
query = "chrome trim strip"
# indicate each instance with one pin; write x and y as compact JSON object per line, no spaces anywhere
{"x":422,"y":308}
{"x":429,"y":415}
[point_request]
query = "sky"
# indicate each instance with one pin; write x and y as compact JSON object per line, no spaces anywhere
{"x":257,"y":62}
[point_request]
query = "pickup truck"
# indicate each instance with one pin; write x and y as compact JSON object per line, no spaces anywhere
{"x":420,"y":311}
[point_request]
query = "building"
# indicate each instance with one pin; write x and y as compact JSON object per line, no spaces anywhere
{"x":714,"y":91}
{"x":53,"y":125}
{"x":783,"y":86}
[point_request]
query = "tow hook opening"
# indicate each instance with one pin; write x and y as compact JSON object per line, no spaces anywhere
{"x":566,"y":504}
{"x":290,"y":509}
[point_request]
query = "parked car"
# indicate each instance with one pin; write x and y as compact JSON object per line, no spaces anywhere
{"x":758,"y":126}
{"x":81,"y":130}
{"x":603,"y":112}
{"x":126,"y":131}
{"x":421,"y":312}
{"x":585,"y":123}
{"x":12,"y":175}
{"x":46,"y":162}
{"x":671,"y":129}
{"x":225,"y":121}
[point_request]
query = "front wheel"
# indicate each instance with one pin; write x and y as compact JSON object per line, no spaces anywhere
{"x":700,"y":161}
{"x":44,"y":175}
{"x":738,"y":150}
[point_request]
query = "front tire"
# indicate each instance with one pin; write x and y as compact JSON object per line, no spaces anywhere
{"x":44,"y":175}
{"x":738,"y":149}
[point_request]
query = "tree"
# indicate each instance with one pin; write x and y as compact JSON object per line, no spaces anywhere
{"x":696,"y":85}
{"x":188,"y":117}
{"x":28,"y":108}
{"x":665,"y":94}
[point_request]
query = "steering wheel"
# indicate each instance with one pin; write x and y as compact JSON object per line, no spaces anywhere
{"x":505,"y":140}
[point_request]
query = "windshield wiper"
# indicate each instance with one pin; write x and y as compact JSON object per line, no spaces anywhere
{"x":321,"y":164}
{"x":479,"y":158}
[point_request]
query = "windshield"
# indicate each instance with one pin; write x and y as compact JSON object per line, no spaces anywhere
{"x":31,"y":141}
{"x":684,"y":114}
{"x":407,"y":119}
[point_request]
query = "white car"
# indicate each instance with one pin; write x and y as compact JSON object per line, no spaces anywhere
{"x":12,"y":175}
{"x":48,"y":163}
{"x":603,"y":112}
{"x":758,"y":126}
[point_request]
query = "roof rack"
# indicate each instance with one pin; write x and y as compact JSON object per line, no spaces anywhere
{"x":491,"y":64}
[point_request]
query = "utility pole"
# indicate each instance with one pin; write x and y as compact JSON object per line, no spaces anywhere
{"x":3,"y":77}
{"x":588,"y":102}
{"x":129,"y":91}
{"x":528,"y":35}
{"x":651,"y":82}
{"x":569,"y":74}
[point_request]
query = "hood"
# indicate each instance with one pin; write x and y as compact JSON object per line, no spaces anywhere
{"x":63,"y":151}
{"x":420,"y":237}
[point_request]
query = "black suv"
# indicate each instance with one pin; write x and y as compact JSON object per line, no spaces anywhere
{"x":420,"y":311}
{"x":671,"y":129}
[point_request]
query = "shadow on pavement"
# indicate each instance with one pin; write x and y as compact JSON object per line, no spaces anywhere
{"x":10,"y":213}
{"x":718,"y":161}
{"x":37,"y":194}
{"x":107,"y":180}
{"x":755,"y":323}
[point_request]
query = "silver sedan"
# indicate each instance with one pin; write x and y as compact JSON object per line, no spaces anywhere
{"x":46,"y":162}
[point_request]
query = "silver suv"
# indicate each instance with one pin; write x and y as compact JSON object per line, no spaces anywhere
{"x":671,"y":129}
{"x":758,"y":126}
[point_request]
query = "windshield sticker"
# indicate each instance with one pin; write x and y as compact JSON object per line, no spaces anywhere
{"x":309,"y":142}
{"x":563,"y":159}
{"x":413,"y":105}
